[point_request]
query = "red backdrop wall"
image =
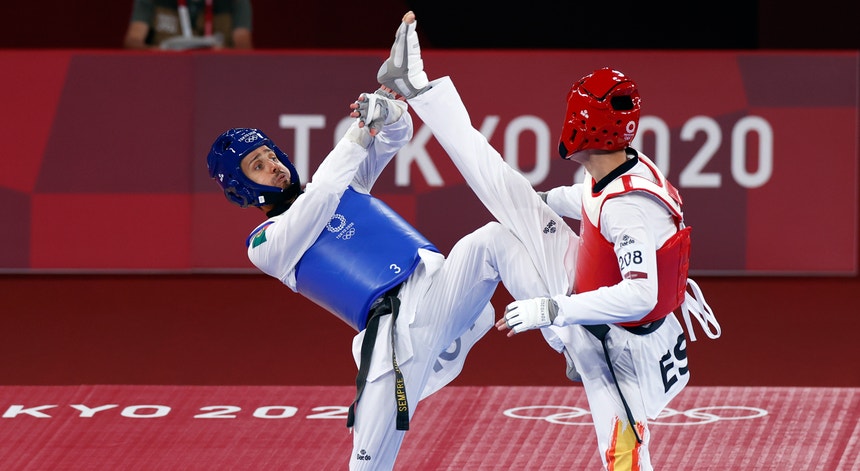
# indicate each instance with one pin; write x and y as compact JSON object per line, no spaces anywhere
{"x":106,"y":169}
{"x":249,"y":329}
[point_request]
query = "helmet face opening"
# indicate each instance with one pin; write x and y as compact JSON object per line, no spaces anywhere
{"x":621,"y":103}
{"x":225,"y":166}
{"x":603,"y":111}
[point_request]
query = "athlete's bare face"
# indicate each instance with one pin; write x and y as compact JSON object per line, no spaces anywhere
{"x":580,"y":156}
{"x":262,"y":166}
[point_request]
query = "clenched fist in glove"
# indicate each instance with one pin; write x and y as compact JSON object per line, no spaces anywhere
{"x":377,"y":109}
{"x":527,"y":315}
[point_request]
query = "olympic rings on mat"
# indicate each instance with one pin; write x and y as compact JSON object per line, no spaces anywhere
{"x":569,"y":415}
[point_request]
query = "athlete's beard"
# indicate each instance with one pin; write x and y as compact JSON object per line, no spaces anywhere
{"x":281,"y":201}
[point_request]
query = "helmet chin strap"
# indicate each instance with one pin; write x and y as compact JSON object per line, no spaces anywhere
{"x":281,"y":200}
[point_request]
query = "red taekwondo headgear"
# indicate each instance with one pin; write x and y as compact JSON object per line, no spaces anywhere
{"x":602,"y":113}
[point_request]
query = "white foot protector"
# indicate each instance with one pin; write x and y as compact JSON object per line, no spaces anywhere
{"x":403,"y":71}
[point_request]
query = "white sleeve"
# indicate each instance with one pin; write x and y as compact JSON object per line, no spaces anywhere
{"x":636,"y":225}
{"x":566,"y":201}
{"x":391,"y":138}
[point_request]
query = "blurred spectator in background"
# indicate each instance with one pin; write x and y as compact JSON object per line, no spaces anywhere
{"x":189,"y":24}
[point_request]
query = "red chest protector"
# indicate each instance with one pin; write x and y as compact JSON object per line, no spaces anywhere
{"x":597,"y":264}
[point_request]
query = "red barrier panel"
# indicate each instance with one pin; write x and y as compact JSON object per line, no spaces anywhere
{"x":250,"y":329}
{"x":106,"y":168}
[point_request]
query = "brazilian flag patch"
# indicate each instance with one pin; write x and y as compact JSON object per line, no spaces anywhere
{"x":259,"y":236}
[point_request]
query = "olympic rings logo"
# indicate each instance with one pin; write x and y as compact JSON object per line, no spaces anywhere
{"x":569,"y":415}
{"x":337,"y":223}
{"x":341,"y":223}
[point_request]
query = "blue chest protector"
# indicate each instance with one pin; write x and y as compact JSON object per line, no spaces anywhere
{"x":365,"y":250}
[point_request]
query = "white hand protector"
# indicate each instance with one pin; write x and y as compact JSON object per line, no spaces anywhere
{"x":403,"y":71}
{"x":530,"y":314}
{"x":359,"y":135}
{"x":378,"y":109}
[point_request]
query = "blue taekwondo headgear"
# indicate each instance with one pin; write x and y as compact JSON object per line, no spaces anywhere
{"x":224,"y":162}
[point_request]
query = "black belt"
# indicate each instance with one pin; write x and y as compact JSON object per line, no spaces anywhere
{"x":645,"y":328}
{"x":390,"y":305}
{"x":600,"y":332}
